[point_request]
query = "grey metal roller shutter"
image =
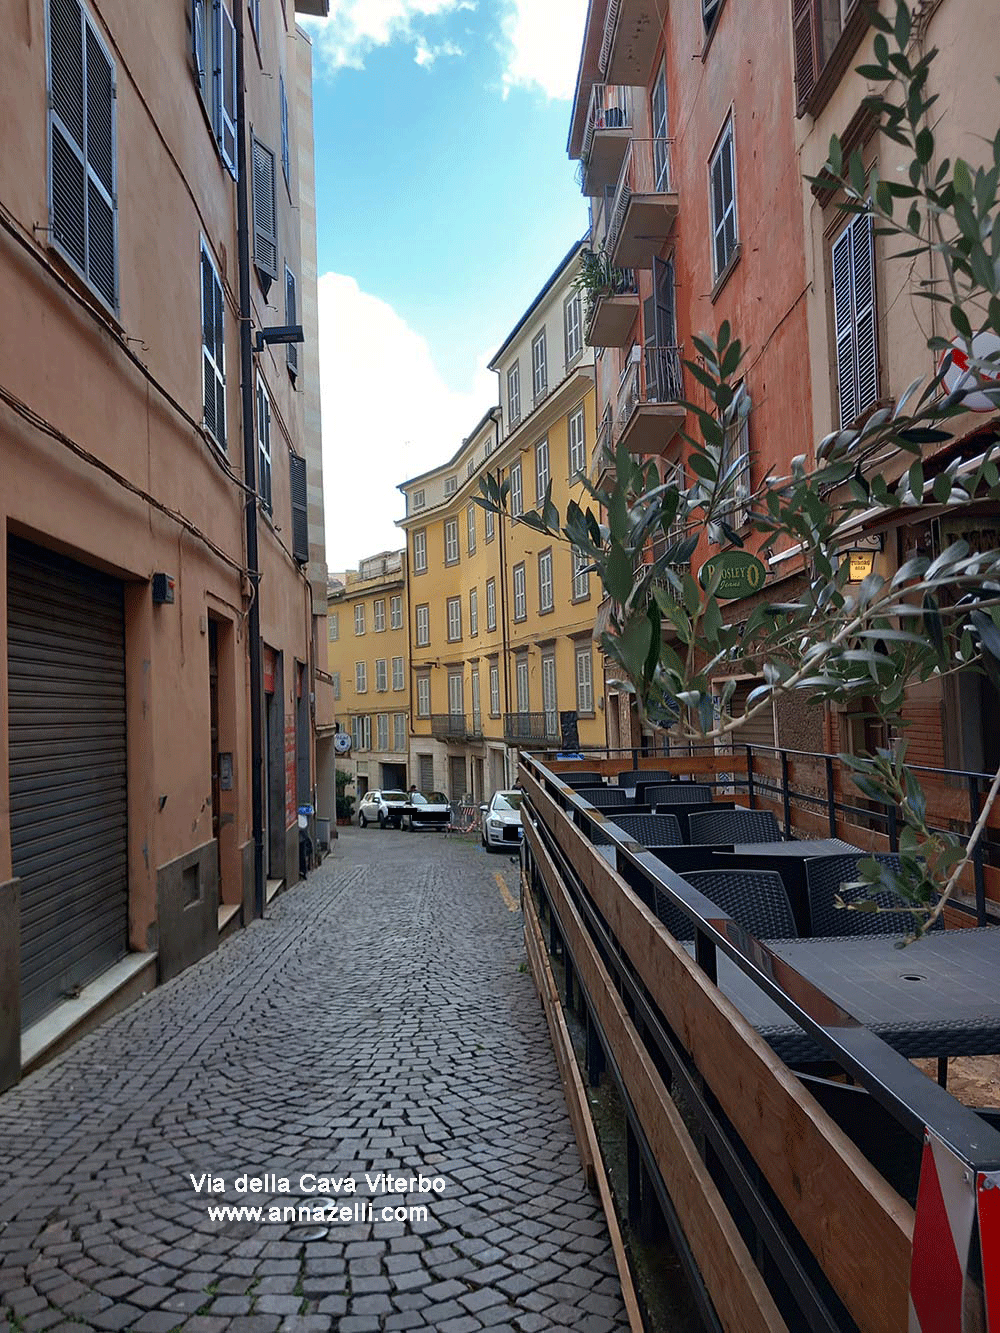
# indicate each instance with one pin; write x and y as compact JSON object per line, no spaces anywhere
{"x":760,"y":729}
{"x":68,"y":793}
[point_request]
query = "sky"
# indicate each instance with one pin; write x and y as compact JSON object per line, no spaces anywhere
{"x":445,"y":200}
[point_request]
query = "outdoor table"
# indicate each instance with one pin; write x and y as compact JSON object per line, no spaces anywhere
{"x":938,"y":997}
{"x":789,"y":860}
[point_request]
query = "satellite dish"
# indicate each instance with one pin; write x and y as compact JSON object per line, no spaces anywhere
{"x":342,"y":742}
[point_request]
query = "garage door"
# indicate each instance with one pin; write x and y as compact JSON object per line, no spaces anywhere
{"x":760,"y":729}
{"x":68,"y":795}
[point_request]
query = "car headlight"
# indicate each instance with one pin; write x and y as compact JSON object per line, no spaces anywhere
{"x":494,"y":822}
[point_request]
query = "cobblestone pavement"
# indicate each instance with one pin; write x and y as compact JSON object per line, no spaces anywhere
{"x":377,"y":1021}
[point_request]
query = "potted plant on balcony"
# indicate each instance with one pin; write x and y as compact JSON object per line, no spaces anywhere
{"x":598,"y":277}
{"x":345,"y":803}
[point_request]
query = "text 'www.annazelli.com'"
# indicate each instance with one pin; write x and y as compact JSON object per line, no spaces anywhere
{"x":361,"y":1210}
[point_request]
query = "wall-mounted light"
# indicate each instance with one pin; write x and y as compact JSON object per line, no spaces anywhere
{"x":861,"y":563}
{"x":279,"y":333}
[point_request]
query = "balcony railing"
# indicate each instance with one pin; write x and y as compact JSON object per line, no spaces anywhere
{"x":519,"y":727}
{"x":649,"y":413}
{"x":449,"y":726}
{"x":476,"y":725}
{"x":644,"y":207}
{"x":605,"y":140}
{"x":613,"y":309}
{"x":632,"y":30}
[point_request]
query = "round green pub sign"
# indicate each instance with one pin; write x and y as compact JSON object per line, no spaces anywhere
{"x":740,"y":574}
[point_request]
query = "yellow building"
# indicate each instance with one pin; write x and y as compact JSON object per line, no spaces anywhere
{"x":368,"y":660}
{"x":501,"y":618}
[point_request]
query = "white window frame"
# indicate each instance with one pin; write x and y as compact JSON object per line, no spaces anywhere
{"x":420,"y":551}
{"x":522,"y":685}
{"x":494,"y":690}
{"x":366,"y":731}
{"x":724,"y":145}
{"x":264,"y":445}
{"x":477,"y":708}
{"x":452,"y":552}
{"x":423,"y":695}
{"x":356,"y":731}
{"x":291,"y":317}
{"x":456,"y":694}
{"x":546,"y":590}
{"x":577,"y":431}
{"x":491,"y":605}
{"x":333,"y":626}
{"x":417,"y":500}
{"x":516,"y":490}
{"x":381,"y":675}
{"x":550,"y":702}
{"x":378,"y":614}
{"x":454,"y":606}
{"x":539,"y":367}
{"x":450,"y":485}
{"x":382,"y":732}
{"x":573,"y":327}
{"x":471,"y":524}
{"x":398,"y":681}
{"x":360,"y":677}
{"x":514,"y":395}
{"x":396,"y":612}
{"x":335,"y":678}
{"x":213,"y":359}
{"x":542,"y":472}
{"x":359,"y":619}
{"x":584,"y":678}
{"x":489,"y":526}
{"x":423,"y":632}
{"x":286,"y":155}
{"x":473,"y":612}
{"x":520,"y":593}
{"x":399,"y":732}
{"x":581,"y":575}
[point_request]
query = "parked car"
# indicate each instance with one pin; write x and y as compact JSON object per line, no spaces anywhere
{"x":501,"y":820}
{"x":382,"y":807}
{"x":430,"y":811}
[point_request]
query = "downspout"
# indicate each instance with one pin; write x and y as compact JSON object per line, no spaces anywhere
{"x":249,"y":476}
{"x":504,"y":627}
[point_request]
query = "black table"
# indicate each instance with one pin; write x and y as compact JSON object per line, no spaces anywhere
{"x":788,"y":859}
{"x":937,"y":997}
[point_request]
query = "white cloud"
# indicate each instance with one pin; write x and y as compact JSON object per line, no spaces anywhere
{"x":355,"y":27}
{"x":425,"y":55}
{"x":542,"y":46}
{"x":387,"y":416}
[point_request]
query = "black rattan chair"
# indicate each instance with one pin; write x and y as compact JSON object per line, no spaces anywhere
{"x":755,"y":899}
{"x":677,"y":922}
{"x":581,"y":779}
{"x":650,"y":830}
{"x":730,"y":826}
{"x":605,"y":798}
{"x":824,"y":877}
{"x":678,"y":793}
{"x":644,"y":775}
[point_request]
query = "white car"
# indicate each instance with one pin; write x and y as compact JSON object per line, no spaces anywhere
{"x":430,"y":810}
{"x":501,"y":820}
{"x":381,"y":808}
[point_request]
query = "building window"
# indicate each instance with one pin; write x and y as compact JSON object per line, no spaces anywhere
{"x":494,"y":690}
{"x":456,"y":694}
{"x":395,"y":613}
{"x":736,"y":455}
{"x":361,"y":677}
{"x":381,"y":675}
{"x":451,"y":552}
{"x":521,"y":680}
{"x":382,"y":731}
{"x":356,"y":732}
{"x":818,"y":26}
{"x":661,"y":144}
{"x":549,"y":705}
{"x":520,"y":598}
{"x":489,"y":525}
{"x":397,"y":673}
{"x":539,"y":368}
{"x":399,"y":731}
{"x":336,"y":685}
{"x":577,"y":445}
{"x":546,"y":600}
{"x":513,"y":395}
{"x":265,"y":214}
{"x":291,"y":318}
{"x":423,"y":695}
{"x":420,"y":551}
{"x":476,"y":704}
{"x":722,"y":176}
{"x":213,"y":350}
{"x":470,"y":467}
{"x":491,"y":604}
{"x":379,"y":609}
{"x":573,"y":328}
{"x":471,"y":518}
{"x":541,"y":470}
{"x":516,"y":491}
{"x":853,"y":262}
{"x":82,"y":170}
{"x":359,"y":618}
{"x":255,"y":17}
{"x":454,"y":619}
{"x":584,"y":680}
{"x":366,"y":732}
{"x":263,"y":445}
{"x":581,"y":575}
{"x":333,"y":626}
{"x":417,"y":500}
{"x":214,"y":59}
{"x":450,"y":485}
{"x":285,"y":152}
{"x":423,"y":626}
{"x":473,"y":611}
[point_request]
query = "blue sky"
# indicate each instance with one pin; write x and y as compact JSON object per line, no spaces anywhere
{"x":445,"y":199}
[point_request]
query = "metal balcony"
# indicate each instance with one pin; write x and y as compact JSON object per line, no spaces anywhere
{"x":522,"y":728}
{"x":649,"y":410}
{"x":632,"y":32}
{"x":644,"y":208}
{"x":449,"y":726}
{"x":476,"y":726}
{"x":601,"y":469}
{"x":613,"y":310}
{"x":606,"y":138}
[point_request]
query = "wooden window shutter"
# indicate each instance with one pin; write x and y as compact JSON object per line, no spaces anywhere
{"x":863,"y":265}
{"x":806,"y":61}
{"x":291,"y":317}
{"x":843,"y":316}
{"x":265,"y":230}
{"x":300,"y":508}
{"x":198,"y":34}
{"x":225,"y":87}
{"x":213,"y":351}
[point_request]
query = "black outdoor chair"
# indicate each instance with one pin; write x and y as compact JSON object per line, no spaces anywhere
{"x":581,"y":779}
{"x":605,"y":798}
{"x":677,"y":922}
{"x":824,"y":877}
{"x":644,"y":775}
{"x":650,"y":830}
{"x":731,"y":826}
{"x":678,"y":793}
{"x":755,"y":899}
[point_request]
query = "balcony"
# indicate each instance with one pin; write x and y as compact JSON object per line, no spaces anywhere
{"x":606,"y":138}
{"x":613,"y":309}
{"x":449,"y":726}
{"x":644,"y":207}
{"x":632,"y":32}
{"x":525,"y":728}
{"x":649,"y":409}
{"x":601,"y":469}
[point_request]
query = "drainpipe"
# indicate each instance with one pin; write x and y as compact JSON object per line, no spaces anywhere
{"x":504,"y":626}
{"x":249,"y":476}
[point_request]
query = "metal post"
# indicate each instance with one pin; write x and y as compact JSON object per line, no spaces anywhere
{"x":704,"y":953}
{"x":568,"y":968}
{"x":595,"y":1053}
{"x":634,"y":1174}
{"x":831,"y":804}
{"x":785,"y":800}
{"x":977,"y":852}
{"x":249,"y":476}
{"x":893,"y":830}
{"x":750,"y":795}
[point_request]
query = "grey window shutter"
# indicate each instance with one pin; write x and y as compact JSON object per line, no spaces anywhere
{"x":102,"y":265}
{"x":285,"y":153}
{"x":220,"y":361}
{"x":863,"y":265}
{"x":291,"y":317}
{"x":300,"y":508}
{"x":265,"y":231}
{"x":198,"y":34}
{"x":225,"y":87}
{"x":208,"y":345}
{"x":843,"y":315}
{"x":718,"y":212}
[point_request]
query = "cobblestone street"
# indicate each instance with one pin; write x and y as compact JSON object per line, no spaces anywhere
{"x":377,"y":1021}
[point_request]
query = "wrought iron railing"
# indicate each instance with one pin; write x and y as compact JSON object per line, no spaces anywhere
{"x":645,"y":170}
{"x":449,"y":726}
{"x":520,"y":727}
{"x":610,"y":109}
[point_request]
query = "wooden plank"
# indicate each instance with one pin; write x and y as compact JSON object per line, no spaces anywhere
{"x":859,"y":1229}
{"x":598,"y":1180}
{"x":739,"y":1294}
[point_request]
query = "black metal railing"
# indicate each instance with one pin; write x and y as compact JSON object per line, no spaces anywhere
{"x":521,"y":727}
{"x":449,"y":726}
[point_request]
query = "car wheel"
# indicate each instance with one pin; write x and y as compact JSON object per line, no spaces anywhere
{"x":381,"y":820}
{"x":362,"y":821}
